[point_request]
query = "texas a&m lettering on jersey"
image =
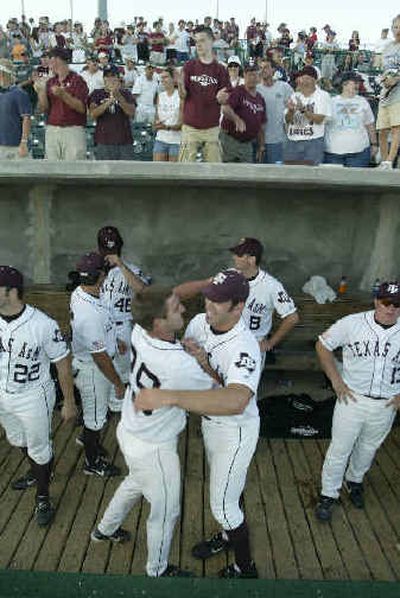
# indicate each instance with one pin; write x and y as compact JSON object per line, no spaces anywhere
{"x":266,"y":295}
{"x":371,"y":354}
{"x":28,"y":344}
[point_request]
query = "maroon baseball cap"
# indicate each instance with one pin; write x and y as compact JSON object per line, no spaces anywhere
{"x":228,"y":285}
{"x":90,"y":263}
{"x":11,"y":278}
{"x":389,"y":290}
{"x":248,"y":246}
{"x":109,"y":239}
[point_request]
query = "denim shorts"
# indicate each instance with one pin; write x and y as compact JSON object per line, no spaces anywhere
{"x":170,"y":149}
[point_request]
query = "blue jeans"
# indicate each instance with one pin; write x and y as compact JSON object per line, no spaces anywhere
{"x":358,"y":160}
{"x":273,"y":153}
{"x":311,"y":151}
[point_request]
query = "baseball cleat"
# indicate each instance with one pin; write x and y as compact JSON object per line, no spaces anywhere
{"x":324,"y":509}
{"x":101,"y":450}
{"x":174,"y":571}
{"x":232,"y":571}
{"x":26,"y":481}
{"x":356,"y":493}
{"x":44,"y":511}
{"x":207,"y":548}
{"x":120,"y":535}
{"x":101,"y":468}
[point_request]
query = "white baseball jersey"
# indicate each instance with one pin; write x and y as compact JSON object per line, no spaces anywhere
{"x":235,"y":357}
{"x":266,"y":295}
{"x":27,"y":346}
{"x":116,"y":295}
{"x":371,"y":354}
{"x":93,"y":330}
{"x":159,"y":364}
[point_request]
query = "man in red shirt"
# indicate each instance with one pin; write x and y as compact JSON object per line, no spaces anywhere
{"x":157,"y":41}
{"x":203,"y":88}
{"x":63,"y":97}
{"x":244,"y":117}
{"x":112,"y":108}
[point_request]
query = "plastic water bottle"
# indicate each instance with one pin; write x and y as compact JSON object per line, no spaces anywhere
{"x":342,"y":288}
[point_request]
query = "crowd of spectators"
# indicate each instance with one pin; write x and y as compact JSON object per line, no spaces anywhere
{"x":206,"y":93}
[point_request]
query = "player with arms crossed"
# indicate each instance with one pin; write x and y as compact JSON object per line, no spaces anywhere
{"x":29,"y":342}
{"x":266,"y":295}
{"x":230,"y":423}
{"x":94,"y":344}
{"x":149,"y":440}
{"x":123,"y":280}
{"x":368,"y":394}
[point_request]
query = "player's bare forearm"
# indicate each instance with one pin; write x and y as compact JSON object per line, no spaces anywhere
{"x":133,"y":281}
{"x":64,"y":371}
{"x":231,"y":400}
{"x":190,"y":289}
{"x":106,"y":366}
{"x":284,"y":328}
{"x":327,"y":361}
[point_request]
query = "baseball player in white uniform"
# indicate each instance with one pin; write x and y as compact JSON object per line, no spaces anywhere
{"x":29,"y":341}
{"x":230,"y":424}
{"x":149,"y":440}
{"x":123,"y":280}
{"x":368,"y":394}
{"x":266,"y":296}
{"x":94,"y":344}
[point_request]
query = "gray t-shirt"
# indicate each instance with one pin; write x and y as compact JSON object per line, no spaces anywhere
{"x":391,"y":61}
{"x":276,"y":97}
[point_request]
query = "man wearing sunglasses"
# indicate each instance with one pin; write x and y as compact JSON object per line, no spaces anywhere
{"x":368,"y":394}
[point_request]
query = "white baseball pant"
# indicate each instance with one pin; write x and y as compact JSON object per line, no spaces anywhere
{"x":94,"y":389}
{"x":358,"y":430}
{"x":154,"y":472}
{"x":26,"y":418}
{"x":229,"y":451}
{"x":121,"y":362}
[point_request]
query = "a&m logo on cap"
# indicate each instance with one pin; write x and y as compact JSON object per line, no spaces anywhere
{"x":393,"y":289}
{"x":219,"y":278}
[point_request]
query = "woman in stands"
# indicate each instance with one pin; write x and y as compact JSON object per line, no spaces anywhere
{"x":168,"y":121}
{"x":350,"y":136}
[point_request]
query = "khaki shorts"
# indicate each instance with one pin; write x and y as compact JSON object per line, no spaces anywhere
{"x":204,"y":140}
{"x":388,"y":116}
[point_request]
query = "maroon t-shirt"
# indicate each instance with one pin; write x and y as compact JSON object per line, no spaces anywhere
{"x":249,"y":108}
{"x":155,"y":37}
{"x":113,"y":127}
{"x":60,"y":114}
{"x":202,"y":82}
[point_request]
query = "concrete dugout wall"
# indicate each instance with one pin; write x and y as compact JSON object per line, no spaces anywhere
{"x":178,"y":219}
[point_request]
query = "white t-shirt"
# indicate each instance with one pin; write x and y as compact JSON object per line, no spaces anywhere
{"x":145,"y":90}
{"x":235,"y":356}
{"x":346,"y":131}
{"x":371,"y":354}
{"x":93,"y":80}
{"x":168,"y":113}
{"x":27,"y":346}
{"x":266,"y":295}
{"x":159,"y":364}
{"x":93,"y":330}
{"x":301,"y":129}
{"x":182,"y":41}
{"x":116,"y":295}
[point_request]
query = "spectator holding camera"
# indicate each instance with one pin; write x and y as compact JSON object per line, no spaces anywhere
{"x":305,"y":115}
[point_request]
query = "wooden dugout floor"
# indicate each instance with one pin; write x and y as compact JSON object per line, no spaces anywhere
{"x":281,"y":492}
